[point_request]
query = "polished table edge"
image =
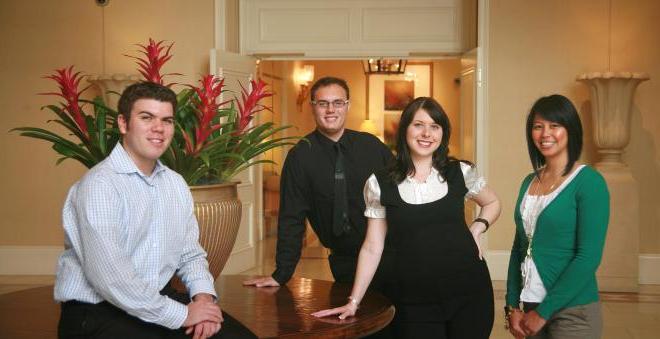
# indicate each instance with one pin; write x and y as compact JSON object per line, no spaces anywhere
{"x":382,"y":310}
{"x":341,"y":332}
{"x":51,"y":310}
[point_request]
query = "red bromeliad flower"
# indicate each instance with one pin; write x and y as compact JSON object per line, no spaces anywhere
{"x":249,"y":104}
{"x":68,"y":83}
{"x":206,"y":109}
{"x":157,"y":54}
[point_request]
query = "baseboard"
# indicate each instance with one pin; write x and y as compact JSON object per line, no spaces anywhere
{"x":649,"y":269}
{"x":29,"y":260}
{"x":42,"y":260}
{"x":649,"y":266}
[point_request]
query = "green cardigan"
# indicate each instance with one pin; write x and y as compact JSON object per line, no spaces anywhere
{"x":568,"y":243}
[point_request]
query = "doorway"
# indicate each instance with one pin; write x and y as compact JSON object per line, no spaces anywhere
{"x":443,"y":79}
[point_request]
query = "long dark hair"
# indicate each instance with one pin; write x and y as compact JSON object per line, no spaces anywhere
{"x":403,"y":165}
{"x":556,"y":108}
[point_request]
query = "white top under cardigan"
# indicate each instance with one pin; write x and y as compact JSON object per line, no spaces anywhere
{"x":415,"y":192}
{"x":533,"y":291}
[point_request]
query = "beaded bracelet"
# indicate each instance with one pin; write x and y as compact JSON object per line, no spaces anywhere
{"x":508,"y":309}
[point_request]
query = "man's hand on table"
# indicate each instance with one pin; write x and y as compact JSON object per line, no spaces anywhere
{"x":263,"y":281}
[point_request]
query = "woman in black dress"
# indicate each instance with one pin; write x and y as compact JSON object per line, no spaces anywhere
{"x":433,"y":266}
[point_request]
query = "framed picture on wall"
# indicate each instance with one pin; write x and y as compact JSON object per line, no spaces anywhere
{"x":390,"y":126}
{"x":398,"y":94}
{"x":388,"y":95}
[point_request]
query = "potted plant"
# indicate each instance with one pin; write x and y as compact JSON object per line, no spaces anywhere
{"x":213,"y":140}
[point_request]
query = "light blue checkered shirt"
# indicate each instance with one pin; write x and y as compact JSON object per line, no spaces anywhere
{"x":125,"y":236}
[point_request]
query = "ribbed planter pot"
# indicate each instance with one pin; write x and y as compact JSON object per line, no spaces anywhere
{"x":218,"y":212}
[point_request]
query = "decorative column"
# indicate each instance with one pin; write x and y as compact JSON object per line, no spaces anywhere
{"x":111,"y":86}
{"x":611,"y":98}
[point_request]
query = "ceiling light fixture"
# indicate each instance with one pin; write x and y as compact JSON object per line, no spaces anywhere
{"x":384,"y":66}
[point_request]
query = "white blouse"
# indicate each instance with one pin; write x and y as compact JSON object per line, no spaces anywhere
{"x":533,"y":290}
{"x":415,"y":192}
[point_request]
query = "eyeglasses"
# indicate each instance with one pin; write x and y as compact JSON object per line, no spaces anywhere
{"x":326,"y":104}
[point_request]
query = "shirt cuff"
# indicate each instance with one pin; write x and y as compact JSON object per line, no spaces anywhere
{"x":545,"y":311}
{"x":282,"y":276}
{"x":175,"y":314}
{"x":375,"y":213}
{"x":202,"y":286}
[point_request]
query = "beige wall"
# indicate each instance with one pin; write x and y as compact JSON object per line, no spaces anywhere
{"x":537,"y":48}
{"x":39,"y":36}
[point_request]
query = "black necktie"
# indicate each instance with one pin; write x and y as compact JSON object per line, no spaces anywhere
{"x":340,"y":222}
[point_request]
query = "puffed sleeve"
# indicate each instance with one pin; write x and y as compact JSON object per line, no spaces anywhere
{"x":372,"y":199}
{"x":473,"y":180}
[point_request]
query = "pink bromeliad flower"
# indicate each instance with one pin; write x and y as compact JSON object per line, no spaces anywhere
{"x":249,"y":103}
{"x":206,"y":109}
{"x":68,"y":83}
{"x":156,"y":54}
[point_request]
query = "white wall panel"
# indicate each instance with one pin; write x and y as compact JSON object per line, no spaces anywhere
{"x":304,"y":25}
{"x":430,"y":24}
{"x":341,"y":28}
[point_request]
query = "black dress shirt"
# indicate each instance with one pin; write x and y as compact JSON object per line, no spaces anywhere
{"x":307,"y":192}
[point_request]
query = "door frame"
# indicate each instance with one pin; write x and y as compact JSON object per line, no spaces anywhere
{"x":481,"y":104}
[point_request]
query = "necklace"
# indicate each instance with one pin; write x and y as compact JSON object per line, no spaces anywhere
{"x":530,"y":217}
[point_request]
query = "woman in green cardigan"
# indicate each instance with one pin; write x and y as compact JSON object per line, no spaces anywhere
{"x":561,"y":219}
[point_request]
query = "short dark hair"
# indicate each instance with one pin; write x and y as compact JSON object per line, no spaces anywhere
{"x":559,"y":109}
{"x":327,"y":81}
{"x":144,"y":90}
{"x":403,"y":165}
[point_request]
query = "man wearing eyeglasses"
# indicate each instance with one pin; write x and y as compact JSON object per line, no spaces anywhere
{"x":323,"y":181}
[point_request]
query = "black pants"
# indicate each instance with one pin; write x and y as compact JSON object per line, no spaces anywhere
{"x":344,"y":255}
{"x":103,"y":320}
{"x":459,"y":317}
{"x":343,"y":267}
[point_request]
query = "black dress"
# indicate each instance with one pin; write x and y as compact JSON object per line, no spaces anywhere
{"x":438,"y":284}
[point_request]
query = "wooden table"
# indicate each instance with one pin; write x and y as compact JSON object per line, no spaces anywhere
{"x":267,"y":312}
{"x":285,"y":311}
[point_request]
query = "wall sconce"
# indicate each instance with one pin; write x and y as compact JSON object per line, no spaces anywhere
{"x":303,"y":77}
{"x":368,"y":125}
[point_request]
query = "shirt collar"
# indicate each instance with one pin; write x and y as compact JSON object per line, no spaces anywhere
{"x":434,"y":174}
{"x":346,"y":138}
{"x":122,"y":162}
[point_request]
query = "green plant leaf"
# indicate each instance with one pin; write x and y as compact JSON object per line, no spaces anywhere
{"x":206,"y":158}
